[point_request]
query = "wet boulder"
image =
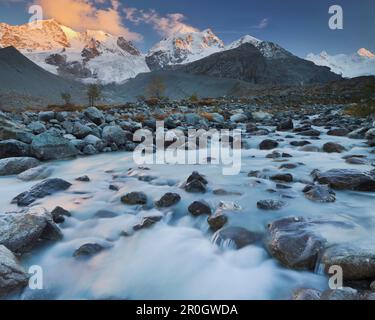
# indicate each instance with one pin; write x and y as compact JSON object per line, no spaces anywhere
{"x":41,"y":190}
{"x":46,"y":116}
{"x":81,"y":130}
{"x":168,"y":200}
{"x":114,"y":134}
{"x":198,"y":208}
{"x":13,"y":277}
{"x":217,"y":221}
{"x":235,"y":237}
{"x":59,"y":214}
{"x":36,"y":173}
{"x":332,"y":147}
{"x":339,"y":132}
{"x":357,"y":261}
{"x":196,"y":183}
{"x":10,"y":166}
{"x":285,"y":125}
{"x":271,"y":204}
{"x":88,"y":250}
{"x":306,"y":294}
{"x":147,"y":222}
{"x":291,"y":242}
{"x":347,"y":179}
{"x":21,"y":231}
{"x":36,"y":127}
{"x":134,"y":198}
{"x":13,"y":148}
{"x":282,"y":177}
{"x":268,"y":144}
{"x":319,"y":193}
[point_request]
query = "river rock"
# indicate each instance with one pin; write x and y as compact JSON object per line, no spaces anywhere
{"x":114,"y":134}
{"x":217,"y":221}
{"x":13,"y":276}
{"x":59,"y":214}
{"x":94,"y":115}
{"x":319,"y":193}
{"x":285,"y":125}
{"x":88,"y":250}
{"x":134,"y":198}
{"x":80,"y":130}
{"x":292,"y":244}
{"x":147,"y":222}
{"x":41,"y":190}
{"x":235,"y":237}
{"x":271,"y":204}
{"x":13,"y":148}
{"x":332,"y":147}
{"x":347,"y":179}
{"x":49,"y":146}
{"x":268,"y":144}
{"x":339,"y":132}
{"x":196,"y":183}
{"x":36,"y":173}
{"x":282,"y":177}
{"x":239,"y":117}
{"x":36,"y":127}
{"x":198,"y":208}
{"x":21,"y":231}
{"x":168,"y":200}
{"x":370,"y":134}
{"x":357,"y":262}
{"x":261,"y":116}
{"x":306,"y":294}
{"x":10,"y":166}
{"x":46,"y":116}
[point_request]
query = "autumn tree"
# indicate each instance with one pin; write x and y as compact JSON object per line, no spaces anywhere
{"x":156,"y":88}
{"x":93,"y":93}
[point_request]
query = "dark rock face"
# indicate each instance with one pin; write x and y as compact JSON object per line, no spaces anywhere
{"x":268,"y":144}
{"x":83,"y":179}
{"x":13,"y":148}
{"x":168,"y":200}
{"x":236,"y":237}
{"x":13,"y":276}
{"x":289,"y":241}
{"x":59,"y":214}
{"x":340,"y":132}
{"x":88,"y":250}
{"x":198,"y":208}
{"x":320,"y":194}
{"x":41,"y":190}
{"x":331,"y":147}
{"x":249,"y":64}
{"x":10,"y":166}
{"x":21,"y":231}
{"x":134,"y":198}
{"x":127,"y":46}
{"x":347,"y":179}
{"x":147,"y":222}
{"x":270,"y":204}
{"x":357,"y":263}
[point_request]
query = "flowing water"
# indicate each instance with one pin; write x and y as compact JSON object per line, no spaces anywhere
{"x":176,"y":258}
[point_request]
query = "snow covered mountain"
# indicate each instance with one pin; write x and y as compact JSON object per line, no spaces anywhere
{"x":268,"y":49}
{"x":359,"y":64}
{"x":183,"y":48}
{"x":89,"y":56}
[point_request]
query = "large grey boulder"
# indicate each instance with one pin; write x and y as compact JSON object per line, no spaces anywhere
{"x":13,"y":148}
{"x":41,"y":190}
{"x":36,"y":127}
{"x":50,"y":146}
{"x":81,"y":130}
{"x":290,"y":241}
{"x":46,"y":116}
{"x":22,"y":231}
{"x":114,"y":134}
{"x":36,"y":173}
{"x":13,"y":276}
{"x":235,"y":237}
{"x":94,"y":115}
{"x":9,"y":129}
{"x":10,"y":166}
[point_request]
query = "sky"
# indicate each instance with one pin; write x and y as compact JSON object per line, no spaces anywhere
{"x":300,"y":26}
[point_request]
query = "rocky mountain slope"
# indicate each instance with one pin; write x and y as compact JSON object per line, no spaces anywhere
{"x":90,"y":56}
{"x":23,"y":82}
{"x":358,"y":64}
{"x":269,"y":65}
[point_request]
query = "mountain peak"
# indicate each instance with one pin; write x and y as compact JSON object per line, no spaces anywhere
{"x":366,"y":53}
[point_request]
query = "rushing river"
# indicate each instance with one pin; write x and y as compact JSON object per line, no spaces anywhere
{"x":176,"y":259}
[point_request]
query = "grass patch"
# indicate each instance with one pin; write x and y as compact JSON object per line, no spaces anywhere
{"x":361,"y":110}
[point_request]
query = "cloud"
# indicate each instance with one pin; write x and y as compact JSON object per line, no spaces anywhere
{"x":85,"y":14}
{"x":262,"y":24}
{"x":165,"y":25}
